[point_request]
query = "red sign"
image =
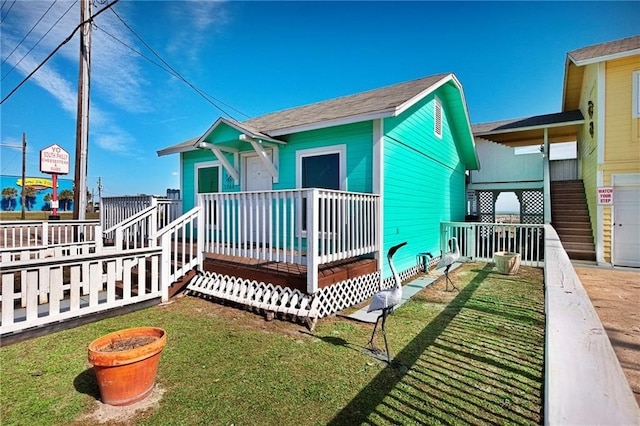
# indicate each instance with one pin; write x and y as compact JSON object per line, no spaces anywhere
{"x":605,"y":195}
{"x":54,"y":160}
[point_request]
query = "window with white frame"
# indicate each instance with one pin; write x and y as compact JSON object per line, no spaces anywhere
{"x":437,"y":117}
{"x":636,"y":95}
{"x":322,"y":168}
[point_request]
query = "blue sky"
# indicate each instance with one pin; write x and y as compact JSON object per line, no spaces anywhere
{"x":259,"y":57}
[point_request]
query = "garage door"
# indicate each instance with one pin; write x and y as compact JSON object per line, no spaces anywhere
{"x":626,"y":226}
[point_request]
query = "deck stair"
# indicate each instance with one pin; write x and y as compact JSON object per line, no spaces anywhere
{"x":570,"y":218}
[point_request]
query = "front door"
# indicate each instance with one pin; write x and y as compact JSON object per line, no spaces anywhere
{"x":626,"y":226}
{"x":257,"y":180}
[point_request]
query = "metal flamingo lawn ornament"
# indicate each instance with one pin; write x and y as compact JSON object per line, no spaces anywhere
{"x":448,"y":259}
{"x":386,"y":300}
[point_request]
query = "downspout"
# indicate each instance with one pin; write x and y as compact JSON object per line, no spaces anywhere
{"x":546,"y":179}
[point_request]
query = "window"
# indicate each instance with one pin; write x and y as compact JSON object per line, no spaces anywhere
{"x":636,"y":95}
{"x":208,"y":179}
{"x":322,"y":168}
{"x":437,"y":117}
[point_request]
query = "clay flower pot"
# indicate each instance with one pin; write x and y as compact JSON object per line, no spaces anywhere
{"x":126,"y":363}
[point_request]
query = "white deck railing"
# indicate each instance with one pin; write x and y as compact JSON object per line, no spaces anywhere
{"x":114,"y":210}
{"x":287,"y":226}
{"x":479,"y":241}
{"x":36,"y":233}
{"x":42,"y":291}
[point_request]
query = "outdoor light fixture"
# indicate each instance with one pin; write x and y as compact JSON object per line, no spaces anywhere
{"x":590,"y":109}
{"x":591,"y":128}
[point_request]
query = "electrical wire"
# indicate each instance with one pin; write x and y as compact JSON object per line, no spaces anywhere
{"x":10,"y":7}
{"x":38,"y":42}
{"x":65,"y":41}
{"x":27,"y":35}
{"x":179,"y":76}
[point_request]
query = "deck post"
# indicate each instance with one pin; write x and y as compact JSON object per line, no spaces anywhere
{"x":546,"y":179}
{"x":45,"y":234}
{"x":165,"y":266}
{"x":312,"y":240}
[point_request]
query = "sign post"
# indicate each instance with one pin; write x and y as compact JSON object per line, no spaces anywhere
{"x":55,"y":161}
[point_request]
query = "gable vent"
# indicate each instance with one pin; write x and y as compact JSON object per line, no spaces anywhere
{"x":437,"y":117}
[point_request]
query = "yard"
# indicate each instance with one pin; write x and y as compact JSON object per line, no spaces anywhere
{"x":474,"y":356}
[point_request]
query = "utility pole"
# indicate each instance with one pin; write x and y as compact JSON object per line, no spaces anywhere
{"x":24,"y":173}
{"x":99,"y":188}
{"x":82,"y":132}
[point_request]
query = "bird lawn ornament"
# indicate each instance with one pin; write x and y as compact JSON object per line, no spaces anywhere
{"x":448,"y":259}
{"x":386,"y":300}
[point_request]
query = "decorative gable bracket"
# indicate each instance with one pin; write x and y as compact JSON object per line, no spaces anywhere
{"x":258,"y":147}
{"x":218,"y":152}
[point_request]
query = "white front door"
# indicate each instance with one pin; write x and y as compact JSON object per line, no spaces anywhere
{"x":257,"y":179}
{"x":626,"y":226}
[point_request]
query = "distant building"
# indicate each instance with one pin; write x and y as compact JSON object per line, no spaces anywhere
{"x":38,"y":198}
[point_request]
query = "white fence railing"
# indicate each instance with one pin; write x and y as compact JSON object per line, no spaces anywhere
{"x":25,"y":234}
{"x":135,"y":231}
{"x":288,"y":226}
{"x":42,"y":291}
{"x":479,"y":241}
{"x":114,"y":210}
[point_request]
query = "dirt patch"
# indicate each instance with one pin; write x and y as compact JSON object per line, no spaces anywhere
{"x":123,"y":415}
{"x":615,"y":294}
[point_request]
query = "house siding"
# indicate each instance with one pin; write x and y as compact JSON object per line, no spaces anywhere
{"x":358,"y":139}
{"x":588,"y":145}
{"x":424,"y":182}
{"x":622,"y":147}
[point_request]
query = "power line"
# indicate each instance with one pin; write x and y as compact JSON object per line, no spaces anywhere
{"x":65,"y":41}
{"x":10,"y":7}
{"x":38,"y":42}
{"x":178,"y":75}
{"x":27,"y":35}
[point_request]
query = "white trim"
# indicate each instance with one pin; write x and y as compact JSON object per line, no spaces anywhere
{"x":312,"y":152}
{"x":599,"y":225}
{"x":217,"y":151}
{"x":378,"y":184}
{"x":605,"y":57}
{"x":336,"y":122}
{"x":600,"y":118}
{"x":259,"y":149}
{"x":635,"y":94}
{"x":203,"y":165}
{"x":417,"y":98}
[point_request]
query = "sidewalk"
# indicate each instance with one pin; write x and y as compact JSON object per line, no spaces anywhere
{"x":409,"y":290}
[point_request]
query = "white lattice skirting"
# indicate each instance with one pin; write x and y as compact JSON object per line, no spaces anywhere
{"x":275,"y":298}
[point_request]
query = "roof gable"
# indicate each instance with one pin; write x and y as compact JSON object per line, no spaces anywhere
{"x":605,"y":51}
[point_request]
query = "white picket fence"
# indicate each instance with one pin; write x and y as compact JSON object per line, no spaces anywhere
{"x":43,"y":285}
{"x":22,"y":234}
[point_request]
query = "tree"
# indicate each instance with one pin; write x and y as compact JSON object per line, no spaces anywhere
{"x":9,"y":195}
{"x":29,"y":197}
{"x":47,"y":201}
{"x":66,"y":198}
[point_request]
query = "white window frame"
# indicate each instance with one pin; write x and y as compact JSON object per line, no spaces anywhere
{"x":314,"y":152}
{"x":205,"y":165}
{"x":437,"y":110}
{"x":635,"y":110}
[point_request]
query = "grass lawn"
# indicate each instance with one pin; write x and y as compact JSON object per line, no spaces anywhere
{"x":474,"y":356}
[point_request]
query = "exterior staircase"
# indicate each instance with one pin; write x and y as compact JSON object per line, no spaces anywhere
{"x":570,"y":218}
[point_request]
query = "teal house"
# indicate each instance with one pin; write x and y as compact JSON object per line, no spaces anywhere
{"x":306,"y":201}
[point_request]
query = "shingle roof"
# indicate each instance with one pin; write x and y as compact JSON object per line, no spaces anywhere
{"x":528,"y":122}
{"x":364,"y":103}
{"x":601,"y":50}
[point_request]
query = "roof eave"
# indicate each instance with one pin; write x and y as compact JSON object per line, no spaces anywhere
{"x":603,"y":58}
{"x":330,"y":123}
{"x":526,"y":128}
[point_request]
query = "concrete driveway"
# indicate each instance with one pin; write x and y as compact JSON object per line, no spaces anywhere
{"x":615,"y":295}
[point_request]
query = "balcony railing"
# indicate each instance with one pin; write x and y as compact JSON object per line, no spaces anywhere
{"x":303,"y":226}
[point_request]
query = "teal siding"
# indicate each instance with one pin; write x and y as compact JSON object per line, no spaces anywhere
{"x":189,"y":161}
{"x":424,"y":182}
{"x":358,"y":139}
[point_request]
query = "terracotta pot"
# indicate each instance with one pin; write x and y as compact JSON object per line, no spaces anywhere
{"x":507,"y":263}
{"x":126,"y":376}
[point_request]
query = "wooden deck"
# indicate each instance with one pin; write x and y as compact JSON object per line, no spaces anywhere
{"x":287,"y":274}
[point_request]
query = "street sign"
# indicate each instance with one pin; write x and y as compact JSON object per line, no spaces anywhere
{"x":54,"y":160}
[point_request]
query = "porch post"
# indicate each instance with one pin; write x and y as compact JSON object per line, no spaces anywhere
{"x":312,"y":240}
{"x":546,"y":178}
